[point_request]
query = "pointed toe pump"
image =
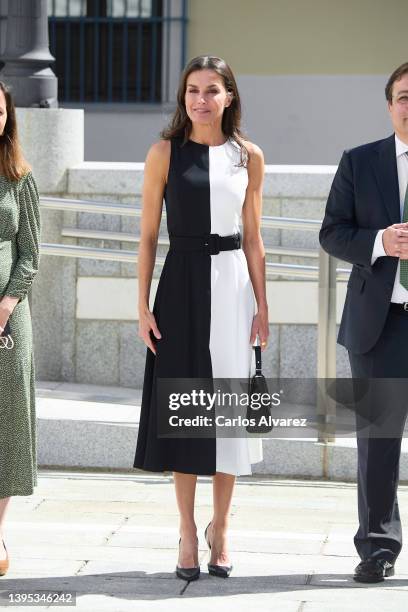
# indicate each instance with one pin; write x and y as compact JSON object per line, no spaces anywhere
{"x":4,"y":563}
{"x":187,"y":573}
{"x":221,"y":571}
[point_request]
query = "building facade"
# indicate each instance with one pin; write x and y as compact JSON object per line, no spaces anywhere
{"x":311,"y":72}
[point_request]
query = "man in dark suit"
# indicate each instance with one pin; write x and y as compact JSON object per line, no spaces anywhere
{"x":365,"y":225}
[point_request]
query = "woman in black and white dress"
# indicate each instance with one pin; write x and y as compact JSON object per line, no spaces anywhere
{"x":205,"y":318}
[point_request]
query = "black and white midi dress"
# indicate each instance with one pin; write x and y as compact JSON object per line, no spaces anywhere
{"x":204,"y":307}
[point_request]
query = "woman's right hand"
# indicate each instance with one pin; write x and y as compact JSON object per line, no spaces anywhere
{"x":5,"y":313}
{"x":147,"y":323}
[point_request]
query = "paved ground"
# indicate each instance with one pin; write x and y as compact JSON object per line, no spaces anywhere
{"x":112,"y":538}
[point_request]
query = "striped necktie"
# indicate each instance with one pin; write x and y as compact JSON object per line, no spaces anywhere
{"x":404,"y":262}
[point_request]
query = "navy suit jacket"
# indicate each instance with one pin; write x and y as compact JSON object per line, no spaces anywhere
{"x":364,"y":198}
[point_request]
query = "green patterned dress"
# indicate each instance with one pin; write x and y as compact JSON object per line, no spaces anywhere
{"x":19,"y":258}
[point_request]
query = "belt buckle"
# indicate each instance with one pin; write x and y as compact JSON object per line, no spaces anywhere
{"x":212,"y":241}
{"x":405,"y":306}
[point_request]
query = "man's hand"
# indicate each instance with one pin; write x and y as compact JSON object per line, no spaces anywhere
{"x":395,"y":240}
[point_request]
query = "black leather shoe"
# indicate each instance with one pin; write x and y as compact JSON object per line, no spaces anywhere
{"x":187,"y":573}
{"x":373,"y":570}
{"x":221,"y":571}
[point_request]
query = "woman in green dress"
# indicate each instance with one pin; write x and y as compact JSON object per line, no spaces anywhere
{"x":19,"y":258}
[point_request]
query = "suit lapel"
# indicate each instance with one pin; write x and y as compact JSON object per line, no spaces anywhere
{"x":385,"y":167}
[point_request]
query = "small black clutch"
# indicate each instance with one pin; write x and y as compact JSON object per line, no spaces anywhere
{"x":258,"y":387}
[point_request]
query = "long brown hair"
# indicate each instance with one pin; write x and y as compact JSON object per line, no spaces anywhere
{"x":12,"y":162}
{"x":180,"y":125}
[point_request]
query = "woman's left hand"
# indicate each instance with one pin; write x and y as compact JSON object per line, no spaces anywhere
{"x":260,"y":327}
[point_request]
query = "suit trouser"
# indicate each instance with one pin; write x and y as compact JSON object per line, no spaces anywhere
{"x":380,"y":420}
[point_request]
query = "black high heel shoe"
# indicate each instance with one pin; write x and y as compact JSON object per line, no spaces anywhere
{"x":221,"y":571}
{"x":187,"y":573}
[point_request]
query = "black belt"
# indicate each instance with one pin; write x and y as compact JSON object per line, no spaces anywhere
{"x":210,"y":243}
{"x":401,"y":308}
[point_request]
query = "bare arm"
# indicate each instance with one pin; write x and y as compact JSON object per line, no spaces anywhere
{"x":155,"y":177}
{"x":252,"y":241}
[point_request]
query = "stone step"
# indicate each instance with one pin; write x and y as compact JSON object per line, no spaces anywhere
{"x":89,"y":426}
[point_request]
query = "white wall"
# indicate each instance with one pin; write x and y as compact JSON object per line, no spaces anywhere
{"x":295,"y":119}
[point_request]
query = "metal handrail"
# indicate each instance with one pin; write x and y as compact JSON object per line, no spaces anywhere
{"x":72,"y":250}
{"x":291,"y":223}
{"x":92,"y":206}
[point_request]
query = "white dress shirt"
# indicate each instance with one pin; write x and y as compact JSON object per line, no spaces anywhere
{"x":399,"y":293}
